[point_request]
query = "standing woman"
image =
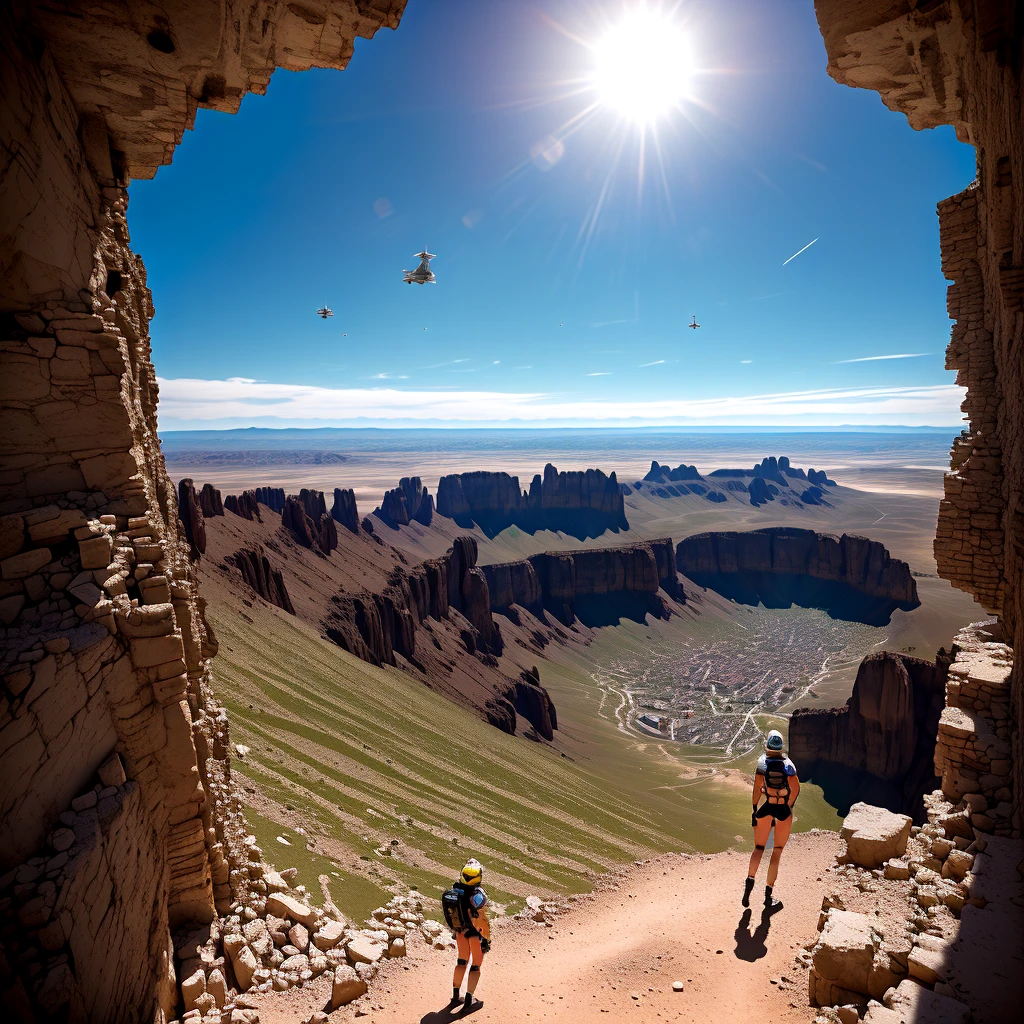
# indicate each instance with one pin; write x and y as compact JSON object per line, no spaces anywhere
{"x":776,"y":780}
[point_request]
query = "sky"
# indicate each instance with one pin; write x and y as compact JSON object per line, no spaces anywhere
{"x":591,"y":174}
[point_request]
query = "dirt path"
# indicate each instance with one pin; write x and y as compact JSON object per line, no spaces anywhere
{"x":615,"y":956}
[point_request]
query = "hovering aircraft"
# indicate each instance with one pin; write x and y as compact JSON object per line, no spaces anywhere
{"x":422,"y":274}
{"x":325,"y":312}
{"x":694,"y":325}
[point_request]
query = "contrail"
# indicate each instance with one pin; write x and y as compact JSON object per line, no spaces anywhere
{"x":804,"y":249}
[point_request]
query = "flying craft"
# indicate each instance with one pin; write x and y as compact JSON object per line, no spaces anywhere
{"x":694,"y":325}
{"x":325,"y":312}
{"x":422,"y":274}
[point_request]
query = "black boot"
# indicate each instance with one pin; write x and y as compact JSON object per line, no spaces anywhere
{"x":456,"y":997}
{"x":748,"y":887}
{"x":471,"y":1003}
{"x":770,"y":903}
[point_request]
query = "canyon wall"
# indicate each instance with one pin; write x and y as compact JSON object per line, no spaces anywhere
{"x":850,"y":577}
{"x":118,"y":820}
{"x":959,"y":63}
{"x":580,"y":504}
{"x":596,"y":585}
{"x":879,"y":747}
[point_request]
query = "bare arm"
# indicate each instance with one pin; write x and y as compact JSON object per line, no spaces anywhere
{"x":758,"y":790}
{"x":483,"y":924}
{"x":794,"y":789}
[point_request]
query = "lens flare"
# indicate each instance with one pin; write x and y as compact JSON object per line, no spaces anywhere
{"x":642,"y":66}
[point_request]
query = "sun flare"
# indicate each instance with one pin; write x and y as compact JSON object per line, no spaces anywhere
{"x":642,"y":66}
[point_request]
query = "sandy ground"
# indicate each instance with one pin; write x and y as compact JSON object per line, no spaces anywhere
{"x":615,"y":955}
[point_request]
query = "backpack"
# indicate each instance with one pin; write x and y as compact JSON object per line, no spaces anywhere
{"x":775,"y":777}
{"x":456,"y":909}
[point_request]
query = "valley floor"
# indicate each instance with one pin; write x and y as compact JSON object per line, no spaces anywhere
{"x":615,"y":954}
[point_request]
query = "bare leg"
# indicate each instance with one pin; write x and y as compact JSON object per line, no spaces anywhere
{"x":474,"y":971}
{"x":761,"y":832}
{"x":782,"y":831}
{"x":461,"y":963}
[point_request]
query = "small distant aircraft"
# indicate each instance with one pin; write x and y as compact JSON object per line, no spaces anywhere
{"x":325,"y":312}
{"x":422,"y":274}
{"x":694,"y":325}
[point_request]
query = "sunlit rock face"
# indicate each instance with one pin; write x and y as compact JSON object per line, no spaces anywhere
{"x":115,"y":750}
{"x":959,"y":62}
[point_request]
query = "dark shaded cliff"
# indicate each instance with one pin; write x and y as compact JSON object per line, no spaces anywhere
{"x":598,"y":586}
{"x":307,"y":519}
{"x":344,"y":510}
{"x":262,"y":577}
{"x":408,"y":502}
{"x":378,"y":626}
{"x":880,"y":746}
{"x":584,"y":504}
{"x":849,"y":577}
{"x":245,"y":505}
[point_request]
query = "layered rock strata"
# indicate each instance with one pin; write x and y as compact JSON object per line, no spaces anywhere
{"x":960,"y":63}
{"x":596,"y":585}
{"x":880,"y":746}
{"x":581,"y":504}
{"x":105,"y":645}
{"x":850,"y":577}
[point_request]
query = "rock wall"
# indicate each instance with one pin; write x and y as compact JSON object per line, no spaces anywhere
{"x":881,"y":745}
{"x":409,"y":502}
{"x":959,"y":63}
{"x":344,"y":511}
{"x":105,"y":646}
{"x":597,"y":585}
{"x":851,"y":577}
{"x":580,"y":504}
{"x":262,"y":577}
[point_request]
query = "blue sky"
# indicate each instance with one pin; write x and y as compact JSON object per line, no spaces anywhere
{"x":565,"y":278}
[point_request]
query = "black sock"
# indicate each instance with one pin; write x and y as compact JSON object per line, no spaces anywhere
{"x":469,"y":998}
{"x":748,"y":886}
{"x":456,"y":995}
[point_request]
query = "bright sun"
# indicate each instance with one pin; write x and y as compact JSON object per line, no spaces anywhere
{"x":642,"y":66}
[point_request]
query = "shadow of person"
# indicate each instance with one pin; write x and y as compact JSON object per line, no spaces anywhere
{"x":448,"y":1014}
{"x":751,"y":945}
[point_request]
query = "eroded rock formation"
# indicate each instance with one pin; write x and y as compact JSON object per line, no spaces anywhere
{"x":105,"y":646}
{"x":408,"y":502}
{"x":596,"y":585}
{"x":193,"y":522}
{"x":261,"y":576}
{"x":344,"y":511}
{"x":272,"y":497}
{"x":959,"y":63}
{"x":580,"y":504}
{"x":246,"y":505}
{"x":880,"y":747}
{"x":850,"y":577}
{"x":319,"y":533}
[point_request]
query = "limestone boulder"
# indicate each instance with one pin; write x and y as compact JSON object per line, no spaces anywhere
{"x":843,"y":956}
{"x":915,"y":1004}
{"x":347,"y":985}
{"x":283,"y":905}
{"x":362,"y":950}
{"x":874,"y":835}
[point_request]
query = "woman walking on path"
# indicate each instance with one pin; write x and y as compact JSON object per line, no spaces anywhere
{"x":465,"y":910}
{"x":776,"y":780}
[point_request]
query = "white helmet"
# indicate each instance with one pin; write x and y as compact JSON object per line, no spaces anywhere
{"x":774,"y":740}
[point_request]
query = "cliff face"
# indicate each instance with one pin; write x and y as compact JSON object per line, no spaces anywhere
{"x":344,"y":511}
{"x":960,"y":63}
{"x":262,"y":577}
{"x":596,"y":585}
{"x":106,"y":666}
{"x":408,"y":502}
{"x":580,"y":504}
{"x":881,"y":745}
{"x":850,"y":577}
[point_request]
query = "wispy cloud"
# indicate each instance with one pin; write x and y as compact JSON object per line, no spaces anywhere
{"x":192,"y":404}
{"x":450,"y":362}
{"x":657,"y":362}
{"x":601,"y":373}
{"x":385,"y":376}
{"x":746,"y":362}
{"x":874,"y":359}
{"x":797,"y":253}
{"x":524,"y":367}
